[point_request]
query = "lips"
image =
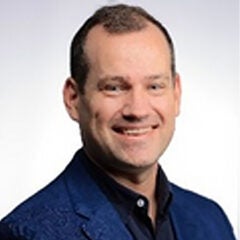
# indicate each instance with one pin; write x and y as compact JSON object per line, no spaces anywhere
{"x":134,"y":131}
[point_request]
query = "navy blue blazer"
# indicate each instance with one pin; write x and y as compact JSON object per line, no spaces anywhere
{"x":73,"y":207}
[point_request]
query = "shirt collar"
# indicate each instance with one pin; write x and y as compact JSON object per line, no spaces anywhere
{"x":124,"y":199}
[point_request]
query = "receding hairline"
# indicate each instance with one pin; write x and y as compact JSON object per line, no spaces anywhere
{"x":147,"y":25}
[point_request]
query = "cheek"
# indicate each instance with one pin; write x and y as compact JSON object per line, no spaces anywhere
{"x":166,"y":108}
{"x":104,"y":110}
{"x":100,"y":115}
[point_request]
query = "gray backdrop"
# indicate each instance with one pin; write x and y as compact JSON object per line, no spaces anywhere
{"x":37,"y":139}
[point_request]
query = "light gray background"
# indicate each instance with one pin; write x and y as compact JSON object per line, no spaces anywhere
{"x":37,"y":139}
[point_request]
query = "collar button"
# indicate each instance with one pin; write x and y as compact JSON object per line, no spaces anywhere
{"x":140,"y":203}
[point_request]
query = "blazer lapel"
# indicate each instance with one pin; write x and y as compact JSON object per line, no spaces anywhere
{"x":184,"y":226}
{"x":185,"y":219}
{"x":99,"y":219}
{"x":105,"y":224}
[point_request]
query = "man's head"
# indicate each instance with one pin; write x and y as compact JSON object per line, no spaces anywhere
{"x":124,"y":91}
{"x":118,"y":19}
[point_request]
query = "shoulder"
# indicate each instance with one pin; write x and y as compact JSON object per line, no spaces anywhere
{"x":56,"y":211}
{"x":195,"y":202}
{"x":204,"y":214}
{"x":44,"y":208}
{"x":48,"y":214}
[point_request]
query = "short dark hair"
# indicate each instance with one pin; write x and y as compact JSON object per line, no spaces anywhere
{"x":115,"y":19}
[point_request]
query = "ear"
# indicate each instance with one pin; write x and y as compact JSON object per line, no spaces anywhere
{"x":71,"y":98}
{"x":177,"y":94}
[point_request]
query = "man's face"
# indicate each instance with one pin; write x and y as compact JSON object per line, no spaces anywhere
{"x":127,"y":113}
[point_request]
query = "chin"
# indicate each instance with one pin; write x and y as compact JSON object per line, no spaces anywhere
{"x":133,"y":163}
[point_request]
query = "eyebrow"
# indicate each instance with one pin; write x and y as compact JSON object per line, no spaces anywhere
{"x":158,"y":76}
{"x":126,"y":78}
{"x":113,"y":78}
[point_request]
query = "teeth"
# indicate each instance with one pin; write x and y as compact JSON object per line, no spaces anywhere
{"x":136,"y":131}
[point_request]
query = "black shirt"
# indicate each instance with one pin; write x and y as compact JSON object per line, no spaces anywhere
{"x":133,"y":207}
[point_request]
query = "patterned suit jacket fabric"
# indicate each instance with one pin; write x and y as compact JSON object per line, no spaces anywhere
{"x":73,"y":207}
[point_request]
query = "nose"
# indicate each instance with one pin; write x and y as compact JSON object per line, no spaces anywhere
{"x":136,"y":106}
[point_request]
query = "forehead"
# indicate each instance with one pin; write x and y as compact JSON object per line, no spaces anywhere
{"x":150,"y":36}
{"x":135,"y":54}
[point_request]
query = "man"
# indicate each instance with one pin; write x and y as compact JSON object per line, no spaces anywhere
{"x":125,"y":94}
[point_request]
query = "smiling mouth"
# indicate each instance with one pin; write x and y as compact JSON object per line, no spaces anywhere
{"x":134,"y":131}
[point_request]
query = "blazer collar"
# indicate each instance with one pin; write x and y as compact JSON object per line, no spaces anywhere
{"x":101,"y":221}
{"x":184,"y":220}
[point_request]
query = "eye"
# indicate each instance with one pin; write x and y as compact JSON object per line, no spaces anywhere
{"x":156,"y":88}
{"x":112,"y":88}
{"x":113,"y":85}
